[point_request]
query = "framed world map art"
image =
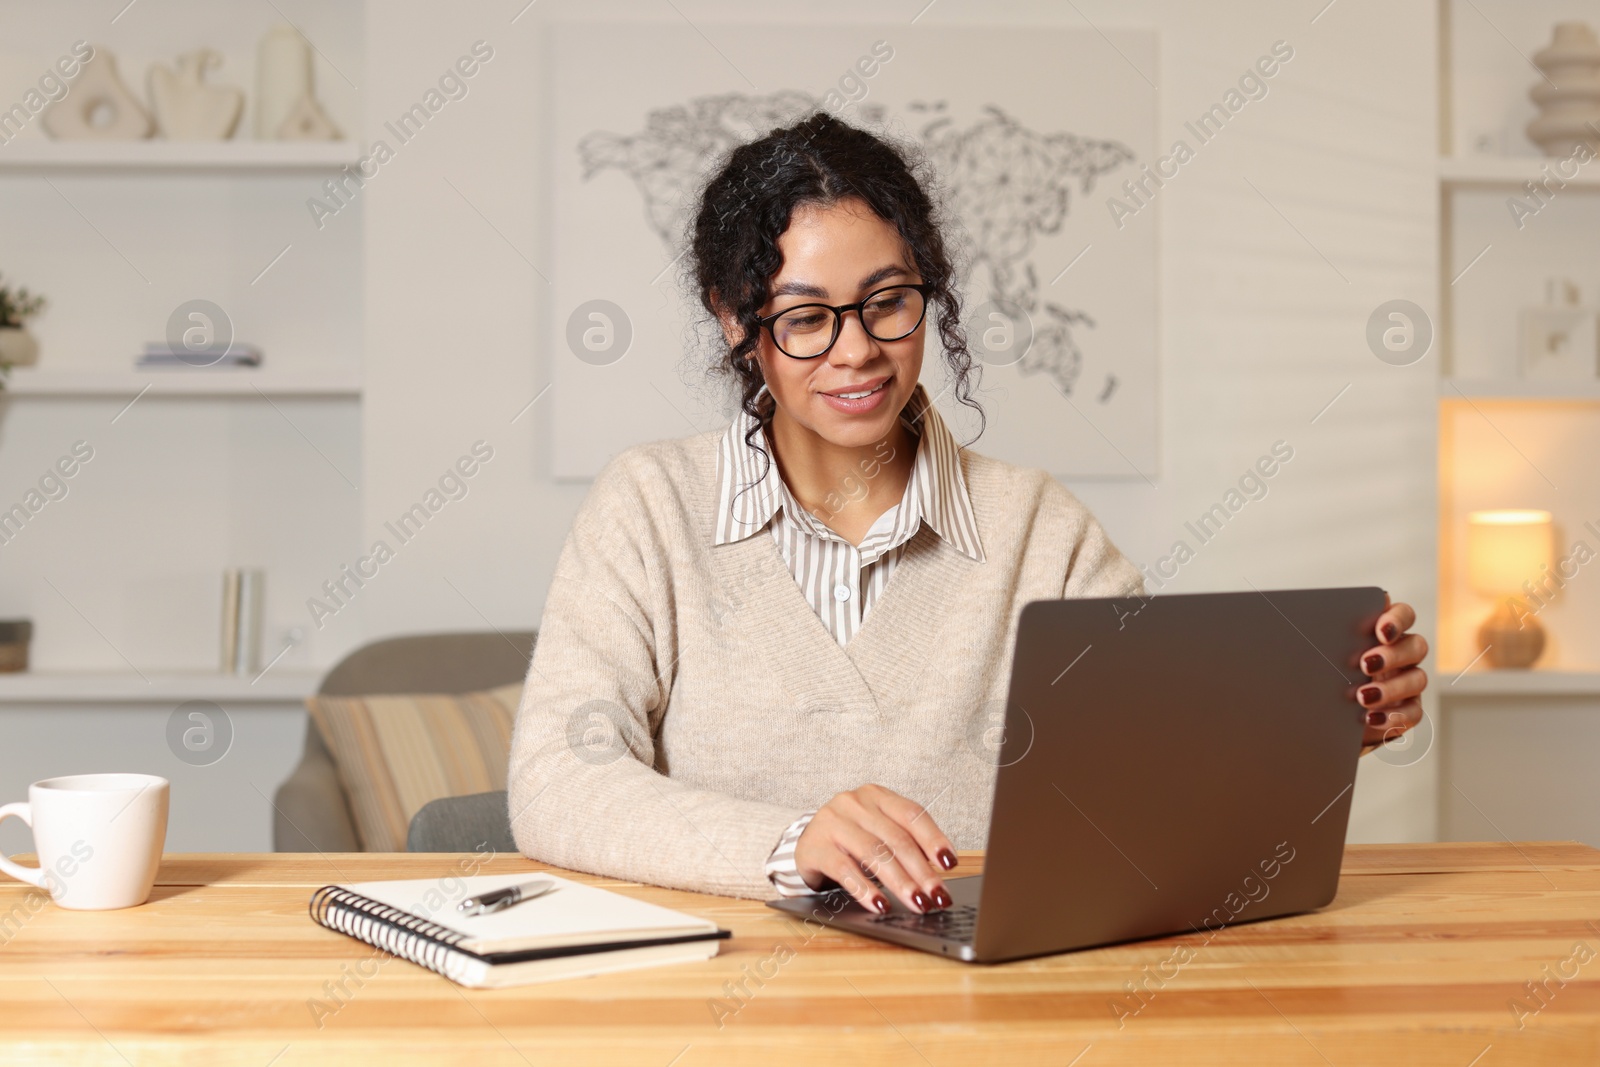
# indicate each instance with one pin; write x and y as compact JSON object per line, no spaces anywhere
{"x":1040,"y":141}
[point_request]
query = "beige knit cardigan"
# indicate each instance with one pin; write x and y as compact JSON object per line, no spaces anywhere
{"x":685,"y":704}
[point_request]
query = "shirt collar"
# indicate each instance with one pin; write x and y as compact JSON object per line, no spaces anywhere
{"x":750,"y":490}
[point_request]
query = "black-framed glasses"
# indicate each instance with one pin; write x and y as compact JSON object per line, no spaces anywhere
{"x":807,"y":331}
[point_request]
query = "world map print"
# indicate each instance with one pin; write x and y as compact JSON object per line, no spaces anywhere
{"x":1005,"y":184}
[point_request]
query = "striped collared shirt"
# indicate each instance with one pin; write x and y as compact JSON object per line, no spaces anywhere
{"x":842,"y":581}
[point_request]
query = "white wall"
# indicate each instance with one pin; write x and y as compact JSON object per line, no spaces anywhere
{"x":1259,"y":332}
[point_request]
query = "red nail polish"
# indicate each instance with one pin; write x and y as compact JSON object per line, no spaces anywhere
{"x":919,"y":900}
{"x":1390,"y":631}
{"x":880,"y":905}
{"x":1373,"y":663}
{"x":947,"y":859}
{"x":1371,"y":694}
{"x":1376,"y":718}
{"x":941,"y":897}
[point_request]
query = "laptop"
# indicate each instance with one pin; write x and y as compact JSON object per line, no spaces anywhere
{"x":1170,"y":764}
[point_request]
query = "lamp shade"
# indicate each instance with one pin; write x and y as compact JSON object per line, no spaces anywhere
{"x":1506,"y":548}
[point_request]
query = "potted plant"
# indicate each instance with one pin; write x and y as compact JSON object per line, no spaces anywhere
{"x":18,"y":347}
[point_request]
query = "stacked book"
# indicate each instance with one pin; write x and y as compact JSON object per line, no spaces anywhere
{"x":163,"y":354}
{"x":241,"y":620}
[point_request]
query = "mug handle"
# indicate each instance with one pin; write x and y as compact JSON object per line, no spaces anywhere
{"x":34,"y":876}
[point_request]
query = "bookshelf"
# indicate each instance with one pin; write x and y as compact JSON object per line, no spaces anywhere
{"x":32,"y":382}
{"x":123,"y":689}
{"x":1479,"y":172}
{"x":1523,"y":683}
{"x":1519,"y":389}
{"x":1507,"y":740}
{"x":1505,"y":440}
{"x":119,"y":565}
{"x":237,"y":156}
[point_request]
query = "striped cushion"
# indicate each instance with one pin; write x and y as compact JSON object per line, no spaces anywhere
{"x":395,"y":753}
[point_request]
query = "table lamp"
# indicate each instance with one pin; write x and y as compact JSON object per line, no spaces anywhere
{"x":1506,"y":548}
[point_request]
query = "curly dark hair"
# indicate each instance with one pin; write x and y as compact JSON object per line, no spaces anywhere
{"x":747,"y":203}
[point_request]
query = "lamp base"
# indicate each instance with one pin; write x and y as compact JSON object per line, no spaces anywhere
{"x":1511,"y":636}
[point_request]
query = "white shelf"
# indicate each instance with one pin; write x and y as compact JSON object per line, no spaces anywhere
{"x":277,"y":686}
{"x":1518,"y":389}
{"x":178,"y":155}
{"x":28,"y":381}
{"x":1490,"y":172}
{"x":1479,"y":682}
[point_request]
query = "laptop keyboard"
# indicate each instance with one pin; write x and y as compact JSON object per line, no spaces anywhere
{"x":955,"y":924}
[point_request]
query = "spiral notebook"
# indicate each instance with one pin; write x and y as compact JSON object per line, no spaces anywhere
{"x":572,"y":931}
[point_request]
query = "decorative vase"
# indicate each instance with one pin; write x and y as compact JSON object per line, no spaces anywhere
{"x":283,"y":78}
{"x":18,"y":347}
{"x":1569,"y":100}
{"x":189,"y":109}
{"x":99,"y":107}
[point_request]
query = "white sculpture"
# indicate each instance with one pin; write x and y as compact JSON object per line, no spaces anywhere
{"x":1569,"y":101}
{"x":99,"y":107}
{"x":283,"y":76}
{"x":188,"y":109}
{"x":286,"y":103}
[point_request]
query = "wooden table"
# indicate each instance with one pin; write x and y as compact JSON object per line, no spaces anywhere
{"x":1418,"y":961}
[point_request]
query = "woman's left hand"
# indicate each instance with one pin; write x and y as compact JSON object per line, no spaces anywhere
{"x":1392,"y":697}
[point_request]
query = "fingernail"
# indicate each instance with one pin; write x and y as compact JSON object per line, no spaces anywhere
{"x":941,"y":897}
{"x":1371,"y":694}
{"x":1376,"y":718}
{"x":1389,"y":631}
{"x":947,"y":859}
{"x":880,"y":905}
{"x":919,"y":900}
{"x":1373,"y":663}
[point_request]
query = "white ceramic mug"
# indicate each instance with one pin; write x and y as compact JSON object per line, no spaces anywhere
{"x":98,"y":836}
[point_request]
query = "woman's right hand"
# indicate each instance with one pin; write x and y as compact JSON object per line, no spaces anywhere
{"x":873,"y":830}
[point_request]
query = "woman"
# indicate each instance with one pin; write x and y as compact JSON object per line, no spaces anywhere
{"x":789,"y":630}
